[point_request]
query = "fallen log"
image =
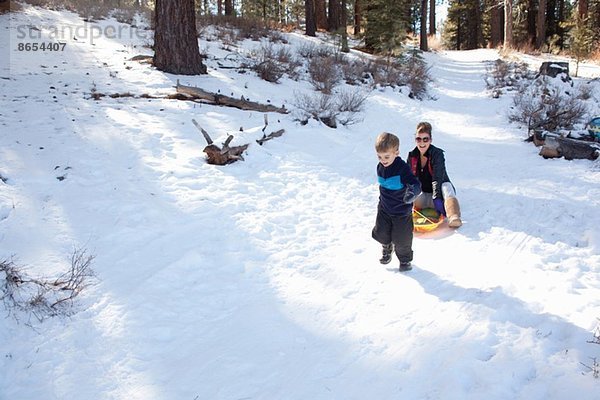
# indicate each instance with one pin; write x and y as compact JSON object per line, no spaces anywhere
{"x":222,"y":100}
{"x":570,"y":149}
{"x":221,"y":156}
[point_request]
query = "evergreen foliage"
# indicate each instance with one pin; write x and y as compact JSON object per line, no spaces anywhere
{"x":581,"y":40}
{"x":386,"y":25}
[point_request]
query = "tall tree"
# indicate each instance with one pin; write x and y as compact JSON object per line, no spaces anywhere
{"x":540,"y":36}
{"x":531,"y":21}
{"x":423,"y":31}
{"x":335,"y":15}
{"x":386,"y":25}
{"x":345,"y":48}
{"x":311,"y":19}
{"x":474,"y":37}
{"x":508,"y":24}
{"x":176,"y":39}
{"x":432,"y":29}
{"x":229,"y":8}
{"x":496,"y":23}
{"x":357,"y":16}
{"x":321,"y":13}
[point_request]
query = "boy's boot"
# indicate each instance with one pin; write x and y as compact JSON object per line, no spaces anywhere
{"x":453,"y":212}
{"x":405,"y":266}
{"x":386,"y":253}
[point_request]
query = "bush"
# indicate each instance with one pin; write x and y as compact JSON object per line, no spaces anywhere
{"x":501,"y":74}
{"x":272,"y":63}
{"x":548,"y":104}
{"x":343,"y":108}
{"x":355,"y":72}
{"x":44,"y":297}
{"x":324,"y":73}
{"x":415,"y":74}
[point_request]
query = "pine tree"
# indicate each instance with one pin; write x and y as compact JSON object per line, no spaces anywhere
{"x":386,"y":25}
{"x":581,"y":40}
{"x":175,"y":38}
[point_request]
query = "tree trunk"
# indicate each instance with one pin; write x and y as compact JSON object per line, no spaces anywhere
{"x":508,"y":24}
{"x":345,"y":48}
{"x":570,"y":149}
{"x":531,"y":22}
{"x":496,"y":25}
{"x":357,"y":16}
{"x":335,"y":11}
{"x":229,"y":8}
{"x":582,"y":8}
{"x":175,"y":38}
{"x":561,"y":18}
{"x":311,"y":22}
{"x":540,"y":37}
{"x":321,"y":14}
{"x":423,"y":31}
{"x":432,"y":29}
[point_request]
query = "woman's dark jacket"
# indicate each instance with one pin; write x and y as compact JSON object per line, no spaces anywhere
{"x":431,"y":175}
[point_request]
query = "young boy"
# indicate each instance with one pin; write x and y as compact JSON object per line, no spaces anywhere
{"x":398,"y":188}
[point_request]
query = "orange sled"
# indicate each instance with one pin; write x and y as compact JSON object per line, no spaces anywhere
{"x":426,"y":220}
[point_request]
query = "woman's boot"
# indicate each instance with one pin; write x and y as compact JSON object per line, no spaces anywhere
{"x":453,"y":212}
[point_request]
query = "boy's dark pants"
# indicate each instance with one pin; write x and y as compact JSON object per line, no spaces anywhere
{"x":395,"y":229}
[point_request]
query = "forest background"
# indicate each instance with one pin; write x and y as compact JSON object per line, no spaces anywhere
{"x":553,"y":26}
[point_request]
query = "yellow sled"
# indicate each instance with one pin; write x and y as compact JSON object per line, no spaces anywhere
{"x":426,"y":220}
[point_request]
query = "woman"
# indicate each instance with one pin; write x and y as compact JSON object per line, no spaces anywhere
{"x":428,"y":164}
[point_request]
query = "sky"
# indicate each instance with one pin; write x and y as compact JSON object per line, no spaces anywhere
{"x":259,"y":279}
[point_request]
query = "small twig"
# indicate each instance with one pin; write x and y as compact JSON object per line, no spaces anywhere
{"x":266,"y":123}
{"x":270,"y":136}
{"x":204,"y":133}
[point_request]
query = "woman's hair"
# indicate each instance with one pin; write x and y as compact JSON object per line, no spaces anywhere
{"x":424,"y":127}
{"x":386,"y":141}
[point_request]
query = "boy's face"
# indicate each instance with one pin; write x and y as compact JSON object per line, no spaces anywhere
{"x":386,"y":158}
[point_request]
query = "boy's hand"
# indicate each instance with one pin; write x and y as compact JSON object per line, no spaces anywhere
{"x":409,"y":195}
{"x":438,"y":204}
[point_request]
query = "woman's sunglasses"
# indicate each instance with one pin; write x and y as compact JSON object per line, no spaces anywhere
{"x":421,"y":139}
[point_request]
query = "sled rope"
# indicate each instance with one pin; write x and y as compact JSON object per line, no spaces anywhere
{"x":430,"y":221}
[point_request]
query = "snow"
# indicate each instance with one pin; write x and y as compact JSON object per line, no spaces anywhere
{"x":260,"y":280}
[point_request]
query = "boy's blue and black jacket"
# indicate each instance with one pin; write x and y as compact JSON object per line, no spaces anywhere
{"x":398,"y":187}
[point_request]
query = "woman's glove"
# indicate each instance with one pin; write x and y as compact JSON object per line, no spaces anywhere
{"x":438,"y":204}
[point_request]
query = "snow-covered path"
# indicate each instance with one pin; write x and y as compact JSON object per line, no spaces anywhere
{"x":259,"y":280}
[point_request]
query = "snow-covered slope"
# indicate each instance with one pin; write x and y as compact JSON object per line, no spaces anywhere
{"x":260,"y":280}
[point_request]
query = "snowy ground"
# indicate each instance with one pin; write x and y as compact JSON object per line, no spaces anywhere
{"x":259,"y":280}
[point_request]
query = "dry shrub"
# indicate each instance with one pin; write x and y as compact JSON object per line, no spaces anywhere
{"x":505,"y":75}
{"x":311,"y":50}
{"x":227,"y":36}
{"x":45,"y":297}
{"x":548,"y":104}
{"x":415,"y":74}
{"x":271,"y":62}
{"x":344,"y":108}
{"x":355,"y":72}
{"x":385,"y":73}
{"x":324,"y":72}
